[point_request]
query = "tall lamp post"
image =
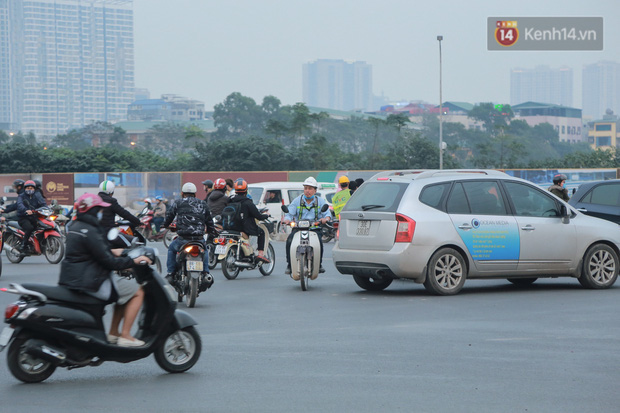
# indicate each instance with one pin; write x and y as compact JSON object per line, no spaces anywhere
{"x":440,"y":38}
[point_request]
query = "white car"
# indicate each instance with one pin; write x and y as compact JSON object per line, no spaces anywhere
{"x":442,"y":227}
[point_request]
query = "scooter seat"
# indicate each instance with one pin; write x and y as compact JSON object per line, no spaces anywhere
{"x":60,"y":293}
{"x":14,"y":224}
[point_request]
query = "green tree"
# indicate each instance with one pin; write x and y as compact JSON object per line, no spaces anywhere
{"x":239,"y":116}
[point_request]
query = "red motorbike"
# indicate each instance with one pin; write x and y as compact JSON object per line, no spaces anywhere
{"x":147,"y":229}
{"x":46,"y":239}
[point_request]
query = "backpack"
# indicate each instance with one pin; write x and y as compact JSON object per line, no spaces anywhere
{"x":232,"y":218}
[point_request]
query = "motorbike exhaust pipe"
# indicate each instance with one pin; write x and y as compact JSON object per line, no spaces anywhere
{"x":243,"y":264}
{"x":209,"y":278}
{"x":44,"y":351}
{"x":9,"y":249}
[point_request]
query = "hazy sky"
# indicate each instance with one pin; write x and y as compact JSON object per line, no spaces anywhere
{"x":206,"y":49}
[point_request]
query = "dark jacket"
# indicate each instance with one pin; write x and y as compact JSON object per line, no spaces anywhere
{"x":88,"y":261}
{"x":560,"y":192}
{"x":249,"y":213}
{"x":27,"y":202}
{"x":110,"y":213}
{"x":193,"y":218}
{"x":13,"y":206}
{"x":217,"y":201}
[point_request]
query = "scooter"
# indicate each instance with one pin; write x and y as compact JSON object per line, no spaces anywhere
{"x":53,"y":326}
{"x":46,"y":239}
{"x":305,"y":249}
{"x":237,"y":253}
{"x":329,"y":230}
{"x":126,"y":234}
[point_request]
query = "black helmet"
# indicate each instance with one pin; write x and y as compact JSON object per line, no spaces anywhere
{"x":208,"y":183}
{"x":18,"y":184}
{"x":38,"y":184}
{"x":559,"y":178}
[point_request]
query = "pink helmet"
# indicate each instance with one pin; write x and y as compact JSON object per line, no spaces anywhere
{"x":88,"y":201}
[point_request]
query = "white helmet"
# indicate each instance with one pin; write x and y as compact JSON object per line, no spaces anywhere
{"x":310,"y":181}
{"x":188,"y":188}
{"x":107,"y":187}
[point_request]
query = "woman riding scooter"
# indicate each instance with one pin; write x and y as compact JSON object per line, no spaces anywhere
{"x":88,"y":267}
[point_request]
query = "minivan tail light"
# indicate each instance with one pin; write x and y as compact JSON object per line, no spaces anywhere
{"x":404,"y":229}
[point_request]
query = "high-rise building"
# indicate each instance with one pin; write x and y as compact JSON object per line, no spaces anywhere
{"x":65,"y":63}
{"x":600,"y":89}
{"x":542,"y":84}
{"x":338,"y":84}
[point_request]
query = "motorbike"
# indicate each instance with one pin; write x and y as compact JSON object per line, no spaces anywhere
{"x":125,"y":228}
{"x":213,"y":257}
{"x":329,"y":230}
{"x":46,"y":239}
{"x":147,"y":229}
{"x":171,"y":233}
{"x":2,"y":224}
{"x":237,"y":253}
{"x":53,"y":326}
{"x":305,"y":251}
{"x":188,"y":279}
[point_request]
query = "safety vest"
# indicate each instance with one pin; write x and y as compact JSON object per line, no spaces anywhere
{"x":339,"y":200}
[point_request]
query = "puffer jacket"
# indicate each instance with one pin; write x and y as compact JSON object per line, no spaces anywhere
{"x":217,"y":201}
{"x":193,"y":218}
{"x":88,"y":261}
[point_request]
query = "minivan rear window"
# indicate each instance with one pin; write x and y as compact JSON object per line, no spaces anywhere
{"x":377,"y":196}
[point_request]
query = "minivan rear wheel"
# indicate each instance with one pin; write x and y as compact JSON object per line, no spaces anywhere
{"x":446,"y":272}
{"x":372,"y":284}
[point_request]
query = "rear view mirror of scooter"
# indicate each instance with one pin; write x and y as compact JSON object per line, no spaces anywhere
{"x":284,"y":209}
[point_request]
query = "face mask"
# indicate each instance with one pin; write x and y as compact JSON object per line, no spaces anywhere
{"x":308,"y":198}
{"x":29,"y":191}
{"x":99,"y":215}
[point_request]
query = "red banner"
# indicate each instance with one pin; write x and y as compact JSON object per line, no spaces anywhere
{"x":58,"y":187}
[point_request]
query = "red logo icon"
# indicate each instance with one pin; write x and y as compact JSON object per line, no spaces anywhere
{"x":506,"y":32}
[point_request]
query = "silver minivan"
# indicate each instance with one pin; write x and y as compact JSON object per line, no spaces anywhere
{"x":441,"y":227}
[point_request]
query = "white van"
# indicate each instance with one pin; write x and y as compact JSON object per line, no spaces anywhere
{"x":275,"y":194}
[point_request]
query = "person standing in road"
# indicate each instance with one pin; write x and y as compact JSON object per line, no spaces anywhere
{"x":558,"y":189}
{"x":341,"y":197}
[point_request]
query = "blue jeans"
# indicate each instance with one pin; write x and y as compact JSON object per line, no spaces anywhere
{"x":173,"y":250}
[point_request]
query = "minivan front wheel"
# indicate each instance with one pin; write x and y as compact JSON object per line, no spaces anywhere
{"x":446,"y":272}
{"x":372,"y":284}
{"x":600,"y":267}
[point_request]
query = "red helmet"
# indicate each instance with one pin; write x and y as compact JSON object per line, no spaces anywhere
{"x":30,"y":183}
{"x":241,"y":186}
{"x":88,"y":201}
{"x":219,"y":184}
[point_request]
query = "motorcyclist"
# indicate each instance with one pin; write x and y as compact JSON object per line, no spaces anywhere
{"x":250,"y":214}
{"x":39,"y":188}
{"x":27,"y":202}
{"x":159,"y":213}
{"x":341,"y":197}
{"x":217,"y":198}
{"x":108,"y":220}
{"x":88,"y":266}
{"x":208,"y":187}
{"x":558,"y":189}
{"x":306,"y":207}
{"x":193,"y":220}
{"x":18,"y":185}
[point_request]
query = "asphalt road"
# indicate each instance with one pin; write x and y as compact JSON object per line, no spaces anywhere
{"x":269,"y":347}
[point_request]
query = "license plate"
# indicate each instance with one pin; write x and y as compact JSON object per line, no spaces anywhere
{"x":363,"y":228}
{"x":194,"y":265}
{"x":6,"y":335}
{"x":220,"y":249}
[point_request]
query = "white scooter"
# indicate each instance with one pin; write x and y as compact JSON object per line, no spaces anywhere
{"x":305,"y":251}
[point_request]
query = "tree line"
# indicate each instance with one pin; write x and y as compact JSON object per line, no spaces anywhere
{"x":270,"y":136}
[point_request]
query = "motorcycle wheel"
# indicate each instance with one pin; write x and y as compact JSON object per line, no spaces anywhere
{"x":169,"y":237}
{"x":25,"y":367}
{"x":192,"y":291}
{"x":212,"y":257}
{"x":267,"y":269}
{"x":54,"y":250}
{"x":158,"y":264}
{"x":229,"y":268}
{"x":303,"y":272}
{"x":14,"y":257}
{"x":326,"y":234}
{"x":179,"y":351}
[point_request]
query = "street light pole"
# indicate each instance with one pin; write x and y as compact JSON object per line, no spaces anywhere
{"x":440,"y":38}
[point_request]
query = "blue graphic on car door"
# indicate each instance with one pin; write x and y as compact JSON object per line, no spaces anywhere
{"x":492,"y":242}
